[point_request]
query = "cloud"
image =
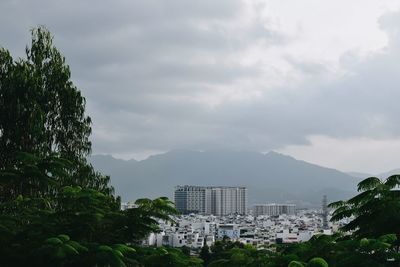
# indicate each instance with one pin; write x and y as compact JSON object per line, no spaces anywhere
{"x":254,"y":75}
{"x":368,"y":155}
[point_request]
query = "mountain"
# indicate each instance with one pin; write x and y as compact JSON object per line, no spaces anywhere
{"x":360,"y":175}
{"x":270,"y":177}
{"x":387,"y":174}
{"x":384,"y":175}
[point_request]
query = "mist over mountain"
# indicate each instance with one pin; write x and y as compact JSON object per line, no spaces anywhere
{"x":270,"y":177}
{"x":383,"y":175}
{"x":388,"y":174}
{"x":360,"y":175}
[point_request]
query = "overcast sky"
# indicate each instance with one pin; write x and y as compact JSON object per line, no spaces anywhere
{"x":318,"y":80}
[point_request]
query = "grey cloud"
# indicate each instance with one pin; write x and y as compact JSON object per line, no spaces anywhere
{"x":141,"y":65}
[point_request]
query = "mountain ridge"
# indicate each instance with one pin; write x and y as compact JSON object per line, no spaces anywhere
{"x":270,"y":177}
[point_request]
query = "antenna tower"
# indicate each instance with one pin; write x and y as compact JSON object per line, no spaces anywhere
{"x":325,"y":213}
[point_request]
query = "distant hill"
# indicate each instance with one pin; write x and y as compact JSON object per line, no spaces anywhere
{"x":380,"y":175}
{"x":389,"y":173}
{"x":270,"y":177}
{"x":360,"y":175}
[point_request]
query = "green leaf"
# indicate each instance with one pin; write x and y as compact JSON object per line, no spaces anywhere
{"x":104,"y":248}
{"x":53,"y":241}
{"x":295,"y":264}
{"x":77,"y":246}
{"x":393,"y":181}
{"x":124,"y":248}
{"x":369,"y":183}
{"x":69,"y":249}
{"x":63,"y":238}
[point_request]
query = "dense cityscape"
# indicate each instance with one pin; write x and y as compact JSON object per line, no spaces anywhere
{"x":212,"y":213}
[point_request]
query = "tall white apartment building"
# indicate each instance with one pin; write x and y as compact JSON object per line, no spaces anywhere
{"x":274,"y":209}
{"x":216,"y":200}
{"x":228,"y":200}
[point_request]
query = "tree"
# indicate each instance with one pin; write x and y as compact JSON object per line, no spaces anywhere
{"x":228,"y":253}
{"x":317,"y":262}
{"x":375,"y":210}
{"x":341,"y":251}
{"x":296,"y":264}
{"x":166,"y":257}
{"x":185,"y":250}
{"x":43,"y":113}
{"x":314,"y":262}
{"x":55,"y":210}
{"x":41,"y":110}
{"x":92,"y":220}
{"x":205,"y":253}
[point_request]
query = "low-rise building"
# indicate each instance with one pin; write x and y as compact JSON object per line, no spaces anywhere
{"x":274,"y":209}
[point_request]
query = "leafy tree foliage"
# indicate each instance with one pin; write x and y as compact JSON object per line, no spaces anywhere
{"x":205,"y":254}
{"x":314,"y":262}
{"x":341,"y":251}
{"x":75,"y":227}
{"x":370,"y":239}
{"x":375,"y":210}
{"x":295,"y":264}
{"x":228,"y":253}
{"x":55,"y":210}
{"x":43,"y":113}
{"x":166,"y":257}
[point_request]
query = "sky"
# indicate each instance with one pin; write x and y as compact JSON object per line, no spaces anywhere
{"x":317,"y":80}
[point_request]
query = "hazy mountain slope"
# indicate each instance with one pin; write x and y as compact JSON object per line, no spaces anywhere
{"x":384,"y":175}
{"x":269,"y":177}
{"x":360,"y":175}
{"x":387,"y":174}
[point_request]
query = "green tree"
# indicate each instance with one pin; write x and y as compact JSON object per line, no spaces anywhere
{"x":166,"y":257}
{"x":43,"y":113}
{"x":185,"y":250}
{"x":375,"y":210}
{"x":55,"y":210}
{"x":296,"y":264}
{"x":340,"y":251}
{"x":89,"y":217}
{"x":205,"y":254}
{"x":41,"y":110}
{"x":227,"y":253}
{"x":317,"y":262}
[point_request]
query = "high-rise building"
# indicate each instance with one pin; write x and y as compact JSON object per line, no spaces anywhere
{"x":228,"y":200}
{"x":274,"y":209}
{"x":192,"y":199}
{"x":216,"y":200}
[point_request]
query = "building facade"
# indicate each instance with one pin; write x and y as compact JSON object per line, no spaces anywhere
{"x":215,"y":200}
{"x":274,"y":209}
{"x":192,"y":199}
